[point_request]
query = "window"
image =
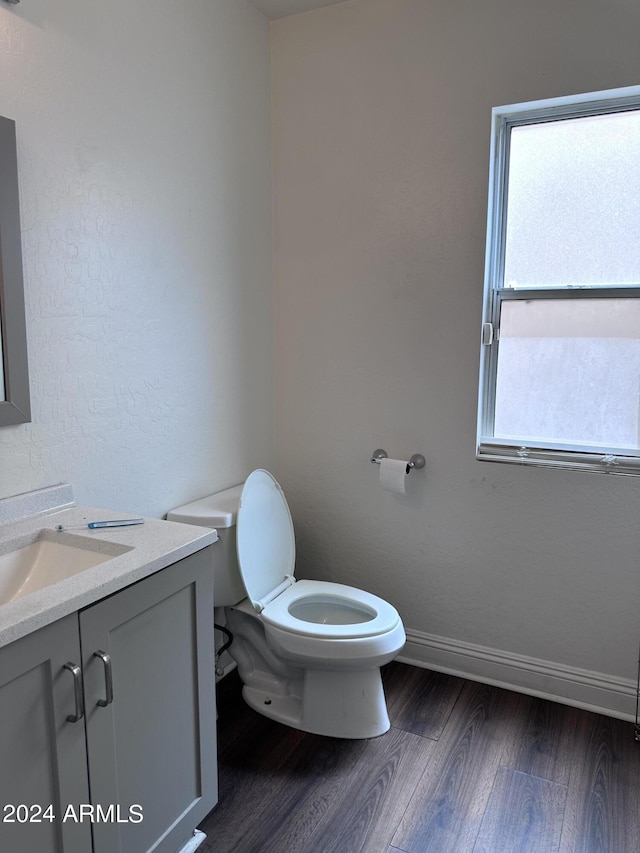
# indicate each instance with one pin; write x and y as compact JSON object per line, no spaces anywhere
{"x":560,"y":355}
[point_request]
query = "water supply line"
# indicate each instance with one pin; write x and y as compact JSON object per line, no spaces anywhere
{"x":220,"y":670}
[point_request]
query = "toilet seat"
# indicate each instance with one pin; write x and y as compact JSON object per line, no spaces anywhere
{"x":381,"y":617}
{"x":264,"y":537}
{"x":266,"y":556}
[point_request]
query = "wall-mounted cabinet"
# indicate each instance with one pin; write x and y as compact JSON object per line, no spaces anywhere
{"x":119,"y":701}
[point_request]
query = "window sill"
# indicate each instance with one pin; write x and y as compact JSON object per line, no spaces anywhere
{"x":574,"y":460}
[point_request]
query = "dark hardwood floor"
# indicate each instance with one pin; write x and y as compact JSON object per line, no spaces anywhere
{"x":465,"y":768}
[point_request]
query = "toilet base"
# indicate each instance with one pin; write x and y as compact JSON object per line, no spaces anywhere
{"x":348,"y":704}
{"x":333,"y":698}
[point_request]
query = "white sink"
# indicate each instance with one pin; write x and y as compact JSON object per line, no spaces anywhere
{"x":49,"y":557}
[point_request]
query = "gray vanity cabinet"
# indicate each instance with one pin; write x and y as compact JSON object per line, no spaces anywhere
{"x":154,"y":744}
{"x":42,"y":755}
{"x":147,"y":743}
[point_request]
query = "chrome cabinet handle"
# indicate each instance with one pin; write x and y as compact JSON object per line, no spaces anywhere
{"x":75,"y":670}
{"x":108,"y":678}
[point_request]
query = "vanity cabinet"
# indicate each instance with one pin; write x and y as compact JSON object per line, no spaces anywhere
{"x":42,"y":756}
{"x":144,"y":745}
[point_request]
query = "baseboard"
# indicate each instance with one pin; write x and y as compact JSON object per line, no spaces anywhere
{"x":582,"y":688}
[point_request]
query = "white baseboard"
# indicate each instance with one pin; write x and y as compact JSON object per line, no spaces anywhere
{"x":582,"y":688}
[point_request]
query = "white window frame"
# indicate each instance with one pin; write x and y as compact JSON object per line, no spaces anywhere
{"x":488,"y":447}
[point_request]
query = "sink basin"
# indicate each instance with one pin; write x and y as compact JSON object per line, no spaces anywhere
{"x":47,"y":558}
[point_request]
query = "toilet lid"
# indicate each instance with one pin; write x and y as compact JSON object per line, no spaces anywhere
{"x":266,"y":543}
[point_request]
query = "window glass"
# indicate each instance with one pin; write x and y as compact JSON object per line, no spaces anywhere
{"x":573,"y":202}
{"x":568,"y":372}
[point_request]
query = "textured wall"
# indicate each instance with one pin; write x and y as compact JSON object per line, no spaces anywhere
{"x":381,"y":146}
{"x":143,"y":147}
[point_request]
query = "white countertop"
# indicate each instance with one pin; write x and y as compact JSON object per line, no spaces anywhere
{"x":151,"y":546}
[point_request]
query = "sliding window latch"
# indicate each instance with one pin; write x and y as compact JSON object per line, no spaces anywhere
{"x":489,"y":334}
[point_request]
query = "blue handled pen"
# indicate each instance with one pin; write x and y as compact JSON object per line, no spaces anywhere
{"x":94,"y":525}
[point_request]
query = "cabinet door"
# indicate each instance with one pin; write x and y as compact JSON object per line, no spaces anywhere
{"x":42,"y":754}
{"x":153,"y":746}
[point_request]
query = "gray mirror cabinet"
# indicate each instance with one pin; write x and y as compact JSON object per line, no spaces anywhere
{"x":15,"y":406}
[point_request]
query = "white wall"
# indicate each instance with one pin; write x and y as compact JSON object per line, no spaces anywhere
{"x":381,"y":117}
{"x":143,"y":148}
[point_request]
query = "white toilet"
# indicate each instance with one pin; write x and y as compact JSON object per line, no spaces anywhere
{"x":308,"y":652}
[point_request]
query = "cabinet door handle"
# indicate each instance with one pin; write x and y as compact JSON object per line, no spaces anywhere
{"x":75,"y":670}
{"x":108,"y":678}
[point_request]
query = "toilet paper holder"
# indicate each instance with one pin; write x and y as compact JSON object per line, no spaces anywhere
{"x":417,"y":461}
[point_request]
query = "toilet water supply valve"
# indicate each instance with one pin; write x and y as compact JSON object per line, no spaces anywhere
{"x":223,"y":648}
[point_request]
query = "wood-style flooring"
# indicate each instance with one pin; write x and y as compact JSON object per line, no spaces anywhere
{"x":465,"y":768}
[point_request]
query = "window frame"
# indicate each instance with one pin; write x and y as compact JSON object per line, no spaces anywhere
{"x":540,"y":453}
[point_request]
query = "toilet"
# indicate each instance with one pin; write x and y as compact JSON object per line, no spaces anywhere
{"x":308,"y":652}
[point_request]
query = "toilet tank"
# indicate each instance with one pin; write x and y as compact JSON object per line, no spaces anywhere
{"x":221,"y":512}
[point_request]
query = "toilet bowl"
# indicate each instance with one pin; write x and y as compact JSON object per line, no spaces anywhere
{"x":308,"y":652}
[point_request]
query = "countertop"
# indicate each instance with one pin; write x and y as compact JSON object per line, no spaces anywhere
{"x":138,"y":551}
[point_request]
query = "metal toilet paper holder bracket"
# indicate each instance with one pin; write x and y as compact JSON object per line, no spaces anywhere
{"x":417,"y":461}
